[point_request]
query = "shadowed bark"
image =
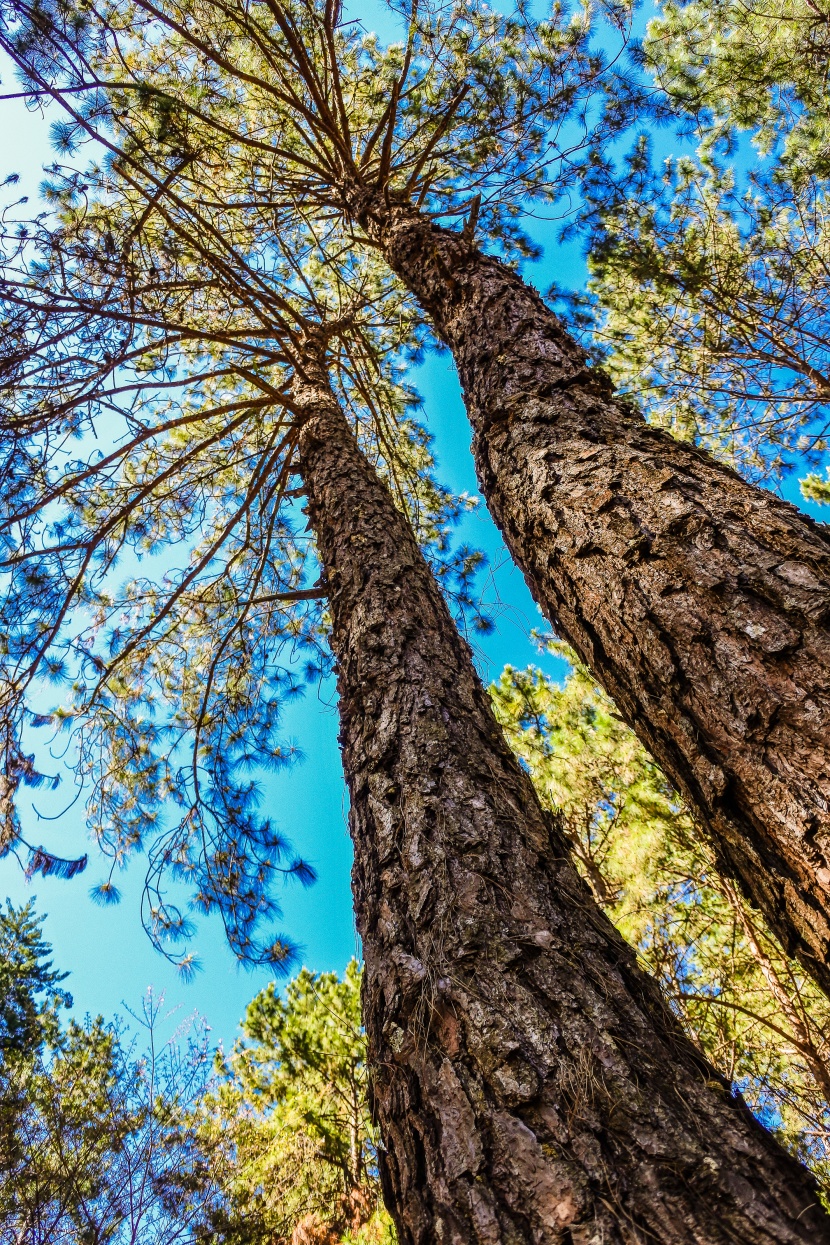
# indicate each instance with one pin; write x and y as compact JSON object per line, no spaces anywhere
{"x":529,"y":1082}
{"x":700,"y":602}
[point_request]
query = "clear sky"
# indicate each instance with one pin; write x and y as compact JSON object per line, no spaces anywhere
{"x":110,"y":959}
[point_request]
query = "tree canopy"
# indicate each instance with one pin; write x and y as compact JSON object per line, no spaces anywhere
{"x":295,"y":1102}
{"x":709,"y":268}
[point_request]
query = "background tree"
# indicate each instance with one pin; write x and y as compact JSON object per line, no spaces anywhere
{"x":99,"y":1141}
{"x":107,"y":1138}
{"x":295,"y":1108}
{"x":30,"y":990}
{"x":711,"y":277}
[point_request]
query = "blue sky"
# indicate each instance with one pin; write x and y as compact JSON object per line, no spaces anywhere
{"x":110,"y":959}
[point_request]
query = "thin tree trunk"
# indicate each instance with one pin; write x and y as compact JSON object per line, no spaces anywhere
{"x":699,"y":602}
{"x":529,"y":1082}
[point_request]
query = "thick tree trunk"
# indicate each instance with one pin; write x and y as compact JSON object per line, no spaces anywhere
{"x":529,"y":1083}
{"x":700,"y":603}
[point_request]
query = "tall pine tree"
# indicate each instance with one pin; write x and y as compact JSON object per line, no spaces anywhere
{"x":529,"y":1082}
{"x":699,"y":601}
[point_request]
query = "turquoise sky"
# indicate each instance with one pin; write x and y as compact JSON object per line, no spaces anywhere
{"x":110,"y":959}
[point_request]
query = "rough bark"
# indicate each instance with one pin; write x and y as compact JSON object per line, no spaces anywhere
{"x":529,"y":1082}
{"x":700,"y":602}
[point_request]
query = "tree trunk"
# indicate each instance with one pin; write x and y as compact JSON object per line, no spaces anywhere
{"x":699,"y":602}
{"x":529,"y":1082}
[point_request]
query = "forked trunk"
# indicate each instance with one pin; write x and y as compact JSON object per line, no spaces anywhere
{"x":699,"y":602}
{"x":529,"y":1083}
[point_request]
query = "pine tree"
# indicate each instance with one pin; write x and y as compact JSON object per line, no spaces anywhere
{"x":698,"y":601}
{"x":30,"y":990}
{"x":500,"y":1004}
{"x":98,"y":1139}
{"x":294,"y":1107}
{"x":529,"y":1082}
{"x":501,"y":1007}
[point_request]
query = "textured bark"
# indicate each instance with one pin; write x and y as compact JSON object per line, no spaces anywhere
{"x":700,"y":603}
{"x":529,"y":1083}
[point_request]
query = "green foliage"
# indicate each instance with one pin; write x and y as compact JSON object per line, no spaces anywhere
{"x":306,"y":1054}
{"x":816,"y":489}
{"x":101,"y":1140}
{"x":98,"y":1142}
{"x":30,"y":993}
{"x":752,"y":1011}
{"x":716,"y":310}
{"x":749,"y":66}
{"x":710,"y":272}
{"x":295,"y":1107}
